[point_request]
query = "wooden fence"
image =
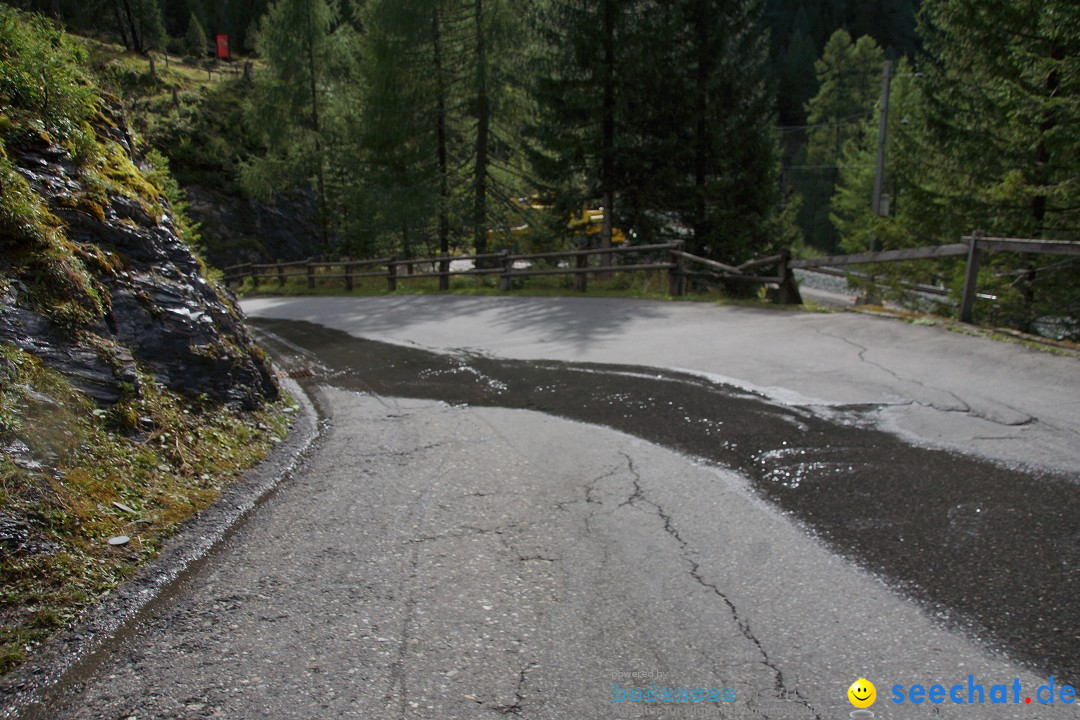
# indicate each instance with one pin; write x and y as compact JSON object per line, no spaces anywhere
{"x":973,"y":247}
{"x":669,"y":257}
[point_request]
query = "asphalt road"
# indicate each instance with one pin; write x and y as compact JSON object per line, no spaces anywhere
{"x":973,"y":394}
{"x":450,"y":560}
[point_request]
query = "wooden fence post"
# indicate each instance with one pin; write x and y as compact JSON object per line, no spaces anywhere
{"x":310,"y":274}
{"x":391,"y":274}
{"x":346,"y":270}
{"x":677,"y":275}
{"x":788,"y":292}
{"x":507,"y":266}
{"x":581,"y":279}
{"x":971,"y":278}
{"x":444,"y":272}
{"x":280,"y":273}
{"x":254,"y":275}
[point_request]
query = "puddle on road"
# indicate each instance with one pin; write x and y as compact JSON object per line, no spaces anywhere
{"x":993,"y":548}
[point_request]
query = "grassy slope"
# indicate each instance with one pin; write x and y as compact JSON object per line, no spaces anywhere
{"x":66,"y":465}
{"x":80,"y":461}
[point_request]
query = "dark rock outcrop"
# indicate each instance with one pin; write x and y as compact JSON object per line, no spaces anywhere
{"x":237,"y":229}
{"x":162,"y":315}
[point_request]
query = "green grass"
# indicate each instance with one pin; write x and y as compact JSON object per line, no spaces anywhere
{"x":161,"y":455}
{"x":1064,"y":348}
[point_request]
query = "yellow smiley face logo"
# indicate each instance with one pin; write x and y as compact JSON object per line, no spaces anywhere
{"x":862,"y":693}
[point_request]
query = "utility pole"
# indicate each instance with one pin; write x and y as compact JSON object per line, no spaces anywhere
{"x":883,"y":129}
{"x":879,"y":175}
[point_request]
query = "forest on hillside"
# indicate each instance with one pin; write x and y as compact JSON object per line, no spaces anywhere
{"x":736,"y":126}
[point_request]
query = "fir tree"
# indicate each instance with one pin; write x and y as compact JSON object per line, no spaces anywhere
{"x":404,"y":124}
{"x":307,"y":65}
{"x":195,"y":38}
{"x":849,"y":86}
{"x":138,"y":22}
{"x":795,"y":72}
{"x":588,"y":48}
{"x":1003,"y":93}
{"x":735,"y":155}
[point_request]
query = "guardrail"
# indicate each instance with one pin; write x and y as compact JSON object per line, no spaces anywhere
{"x":680,"y":266}
{"x":973,"y":246}
{"x":664,"y":256}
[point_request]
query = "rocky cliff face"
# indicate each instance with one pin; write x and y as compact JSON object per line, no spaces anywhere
{"x":160,"y":315}
{"x":237,"y":229}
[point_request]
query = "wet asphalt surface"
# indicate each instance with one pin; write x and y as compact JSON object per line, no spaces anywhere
{"x":987,"y":548}
{"x":431,"y":562}
{"x":473,"y":537}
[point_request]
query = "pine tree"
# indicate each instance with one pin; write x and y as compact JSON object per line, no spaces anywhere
{"x":439,"y":120}
{"x":849,"y":86}
{"x":174,"y":14}
{"x":138,"y":22}
{"x":795,"y":72}
{"x":890,"y":22}
{"x":851,"y":209}
{"x":495,"y":70}
{"x":195,"y":38}
{"x":588,"y":48}
{"x":735,"y":154}
{"x":293,"y":106}
{"x":403,"y":126}
{"x":849,"y":81}
{"x":1003,"y":94}
{"x":241,"y":18}
{"x":670,"y":123}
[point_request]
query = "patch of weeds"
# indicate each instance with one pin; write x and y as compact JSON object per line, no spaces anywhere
{"x":33,"y":238}
{"x":115,"y":174}
{"x":66,"y":465}
{"x":1063,"y":348}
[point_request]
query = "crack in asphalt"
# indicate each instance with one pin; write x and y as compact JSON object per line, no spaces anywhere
{"x":965,"y":407}
{"x":398,"y":675}
{"x":404,"y":454}
{"x":591,"y":491}
{"x":1001,"y":581}
{"x":462,"y":531}
{"x":638,"y":496}
{"x":512,"y":547}
{"x":518,"y":706}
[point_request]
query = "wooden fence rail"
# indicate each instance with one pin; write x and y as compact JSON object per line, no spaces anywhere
{"x":973,"y":246}
{"x":922,"y":253}
{"x":666,"y":256}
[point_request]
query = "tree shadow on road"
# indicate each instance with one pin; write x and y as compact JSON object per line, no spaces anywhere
{"x":576,"y":323}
